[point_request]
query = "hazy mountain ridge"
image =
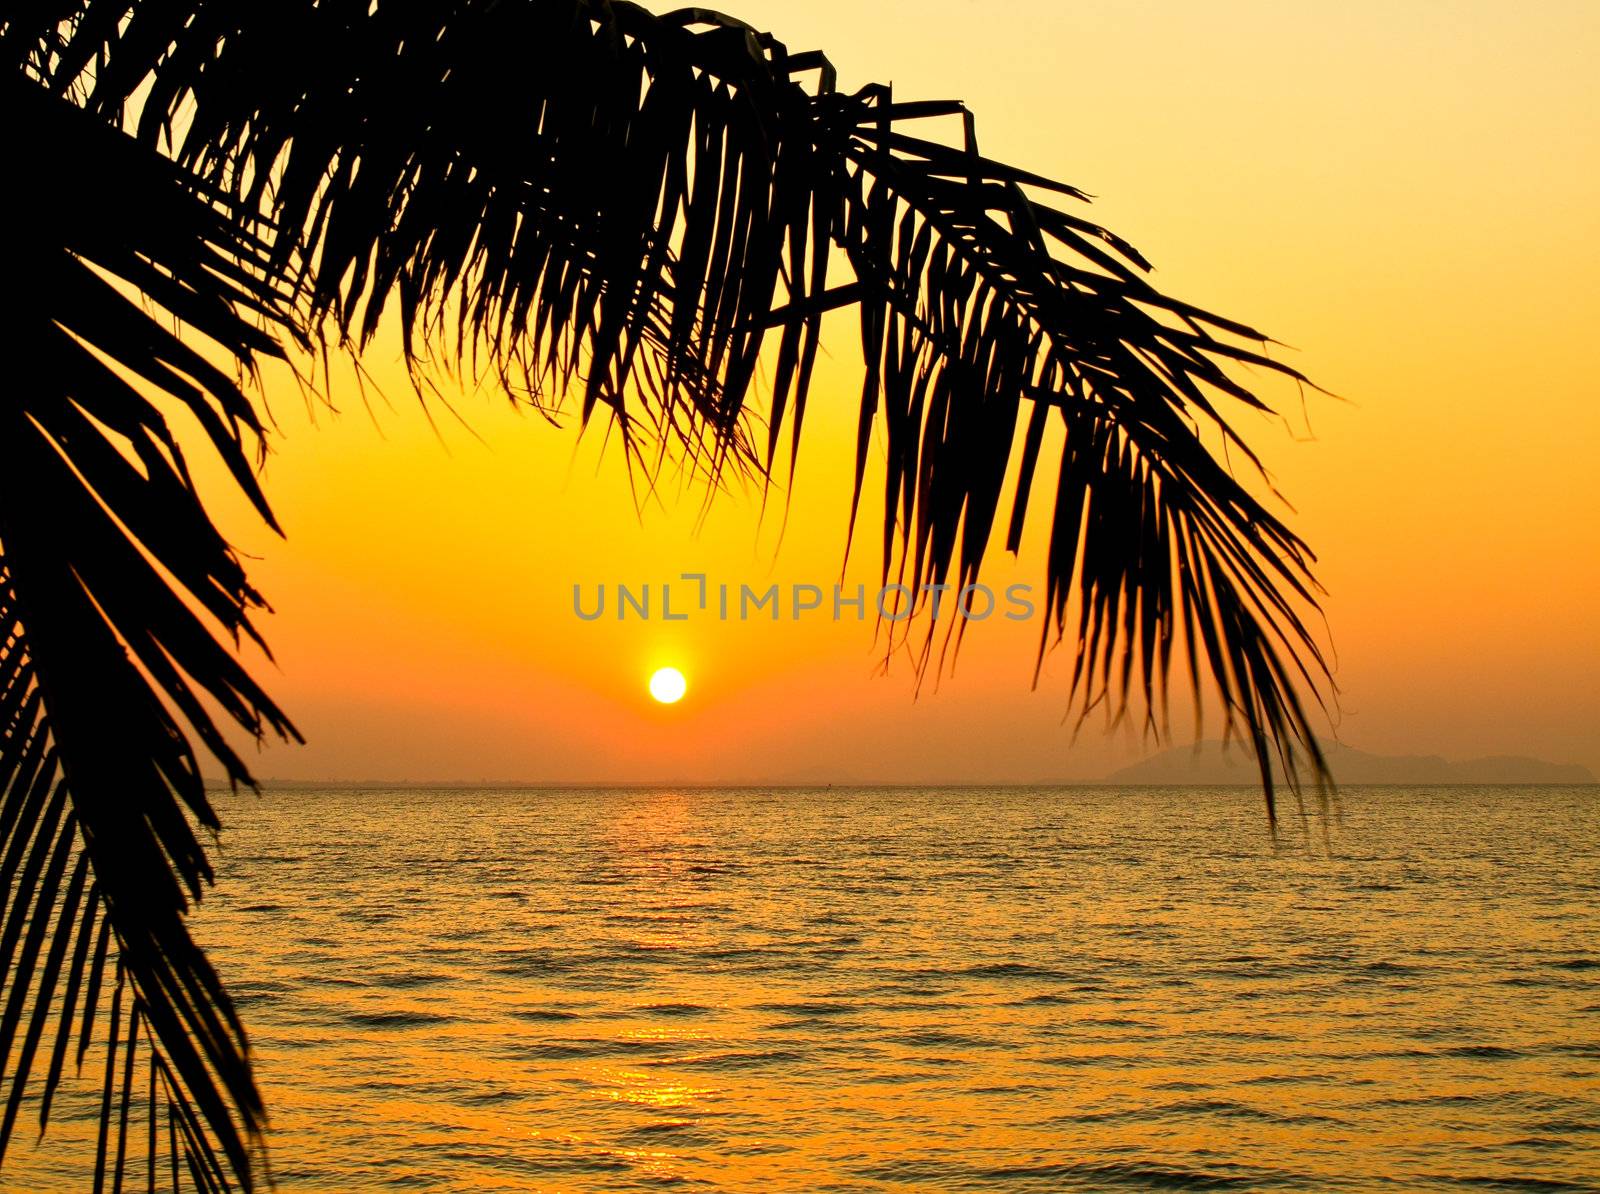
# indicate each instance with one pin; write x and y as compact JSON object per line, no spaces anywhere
{"x":1208,"y":763}
{"x":1204,"y":764}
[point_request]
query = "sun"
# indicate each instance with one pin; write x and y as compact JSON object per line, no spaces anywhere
{"x":667,"y":685}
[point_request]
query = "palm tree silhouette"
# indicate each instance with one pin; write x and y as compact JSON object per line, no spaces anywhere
{"x":586,"y":199}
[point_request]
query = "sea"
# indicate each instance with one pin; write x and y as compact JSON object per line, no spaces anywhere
{"x":905,"y":989}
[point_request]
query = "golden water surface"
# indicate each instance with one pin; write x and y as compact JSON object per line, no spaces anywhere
{"x":1048,"y":989}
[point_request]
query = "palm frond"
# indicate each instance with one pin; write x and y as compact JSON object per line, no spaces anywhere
{"x":978,"y":300}
{"x":573,"y":195}
{"x":591,"y":193}
{"x":109,"y":572}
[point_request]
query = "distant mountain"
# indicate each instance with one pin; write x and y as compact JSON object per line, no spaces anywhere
{"x":1208,"y":763}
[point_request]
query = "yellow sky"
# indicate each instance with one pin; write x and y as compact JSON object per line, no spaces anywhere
{"x":1406,"y":194}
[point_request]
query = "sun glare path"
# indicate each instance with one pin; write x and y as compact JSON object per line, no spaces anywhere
{"x":667,"y":685}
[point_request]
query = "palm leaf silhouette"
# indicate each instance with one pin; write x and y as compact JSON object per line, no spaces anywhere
{"x":110,"y":571}
{"x":572,"y":196}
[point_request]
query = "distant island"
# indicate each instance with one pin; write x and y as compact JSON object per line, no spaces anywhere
{"x":1208,"y":763}
{"x":1205,"y":764}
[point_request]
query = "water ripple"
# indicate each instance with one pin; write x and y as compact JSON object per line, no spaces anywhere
{"x":874,"y":990}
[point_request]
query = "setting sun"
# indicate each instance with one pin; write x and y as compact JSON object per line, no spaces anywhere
{"x":667,"y":685}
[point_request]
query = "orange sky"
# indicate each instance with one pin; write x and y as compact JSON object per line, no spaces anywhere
{"x":1406,"y":194}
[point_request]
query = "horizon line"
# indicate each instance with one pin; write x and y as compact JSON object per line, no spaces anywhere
{"x":268,"y":784}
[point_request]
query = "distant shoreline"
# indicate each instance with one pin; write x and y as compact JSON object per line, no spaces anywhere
{"x":1206,"y":764}
{"x":268,"y":786}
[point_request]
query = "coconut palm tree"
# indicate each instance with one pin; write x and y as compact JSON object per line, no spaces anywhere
{"x":590,"y":203}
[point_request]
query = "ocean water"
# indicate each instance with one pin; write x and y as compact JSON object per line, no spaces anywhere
{"x":874,"y":990}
